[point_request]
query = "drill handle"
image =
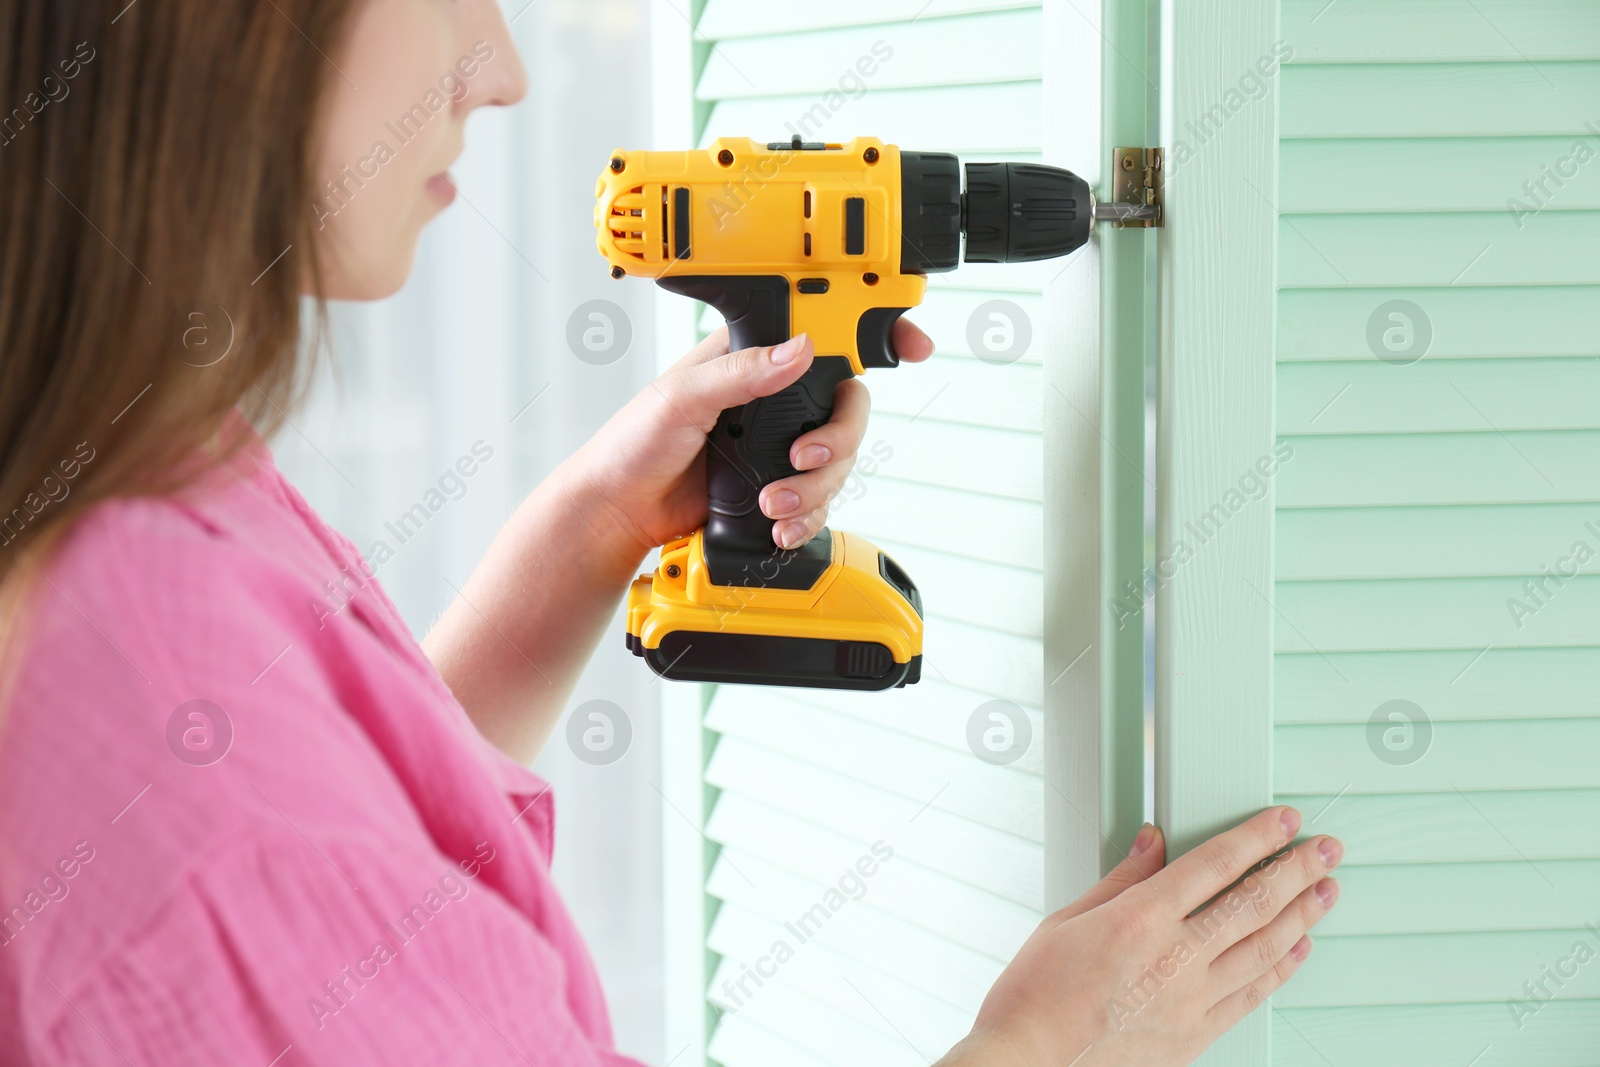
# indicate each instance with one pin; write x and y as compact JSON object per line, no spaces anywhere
{"x":749,"y":446}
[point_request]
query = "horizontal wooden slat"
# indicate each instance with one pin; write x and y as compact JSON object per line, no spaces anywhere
{"x":1451,"y":827}
{"x":1427,"y":898}
{"x":852,"y":61}
{"x":1433,"y":613}
{"x":1562,"y":1034}
{"x":827,"y":977}
{"x":974,"y":459}
{"x":917,"y":770}
{"x":823,"y":1031}
{"x":741,"y":18}
{"x":1437,"y":542}
{"x":1464,"y":174}
{"x":1467,"y":322}
{"x":996,"y":597}
{"x":948,"y":520}
{"x":1438,"y":99}
{"x":739,"y":1042}
{"x":962,"y":389}
{"x":998,"y":862}
{"x":1523,"y":754}
{"x":754,"y":833}
{"x":959,"y":118}
{"x":1434,"y":969}
{"x":1460,"y":468}
{"x":1511,"y":31}
{"x":1439,"y":396}
{"x":1448,"y":248}
{"x":930,"y":710}
{"x":1497,"y":683}
{"x":986,"y":660}
{"x":857,"y":931}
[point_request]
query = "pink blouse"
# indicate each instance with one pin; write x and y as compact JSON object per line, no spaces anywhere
{"x":243,"y":821}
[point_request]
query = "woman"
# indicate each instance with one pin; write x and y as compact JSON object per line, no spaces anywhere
{"x":364,"y":879}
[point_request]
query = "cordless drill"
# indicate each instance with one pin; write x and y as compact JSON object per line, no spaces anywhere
{"x":834,"y":240}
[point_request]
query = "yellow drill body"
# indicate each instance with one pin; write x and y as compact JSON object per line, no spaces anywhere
{"x":835,"y":241}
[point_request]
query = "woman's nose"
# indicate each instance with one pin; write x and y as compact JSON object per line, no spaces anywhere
{"x":504,"y":80}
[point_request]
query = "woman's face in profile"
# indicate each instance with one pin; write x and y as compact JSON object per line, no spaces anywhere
{"x":400,"y":90}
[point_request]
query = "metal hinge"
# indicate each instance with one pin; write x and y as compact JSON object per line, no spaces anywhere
{"x":1139,"y":187}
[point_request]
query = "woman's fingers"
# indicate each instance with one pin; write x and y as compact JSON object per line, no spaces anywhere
{"x":1145,"y":858}
{"x":1237,"y":1005}
{"x":840,"y":436}
{"x":911,"y":345}
{"x":715,"y":344}
{"x":1201,"y":873}
{"x":699,"y":392}
{"x":1247,"y":959}
{"x":792,"y":533}
{"x":824,"y":456}
{"x":1263,"y":894}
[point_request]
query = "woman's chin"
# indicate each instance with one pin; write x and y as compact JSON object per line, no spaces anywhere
{"x":371,"y":280}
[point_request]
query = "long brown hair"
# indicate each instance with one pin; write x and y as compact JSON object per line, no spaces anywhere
{"x":156,"y":186}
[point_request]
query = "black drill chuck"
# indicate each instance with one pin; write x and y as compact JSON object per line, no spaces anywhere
{"x":1010,"y":212}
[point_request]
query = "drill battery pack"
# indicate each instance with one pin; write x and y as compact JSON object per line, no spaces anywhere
{"x":858,"y":625}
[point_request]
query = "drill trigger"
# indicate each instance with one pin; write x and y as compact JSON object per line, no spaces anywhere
{"x":874,"y":331}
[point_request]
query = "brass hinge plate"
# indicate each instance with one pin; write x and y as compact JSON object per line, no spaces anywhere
{"x":1140,"y":179}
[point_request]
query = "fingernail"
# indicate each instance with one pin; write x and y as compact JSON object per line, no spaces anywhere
{"x":786,"y":352}
{"x":813,"y":456}
{"x":1147,"y":834}
{"x":1327,"y":892}
{"x":791,"y":532}
{"x":1330,"y":850}
{"x":1302,"y":948}
{"x":781,"y":502}
{"x":1291,"y":822}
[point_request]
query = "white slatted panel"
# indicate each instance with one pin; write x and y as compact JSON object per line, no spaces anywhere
{"x":808,"y":781}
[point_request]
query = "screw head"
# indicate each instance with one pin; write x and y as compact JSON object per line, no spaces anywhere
{"x":1127,"y":162}
{"x":725,"y":157}
{"x":673,"y":570}
{"x":617,"y":164}
{"x":870,"y":278}
{"x":870,"y":155}
{"x":617,"y":272}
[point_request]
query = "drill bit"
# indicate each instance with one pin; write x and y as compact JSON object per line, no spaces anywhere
{"x":1125,"y":213}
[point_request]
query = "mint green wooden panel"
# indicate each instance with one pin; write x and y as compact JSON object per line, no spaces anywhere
{"x":1424,"y":898}
{"x":1467,"y":321}
{"x":1439,"y":99}
{"x":1419,"y":500}
{"x":1461,"y":174}
{"x":1477,"y":248}
{"x":1435,"y":969}
{"x":1563,"y":1034}
{"x":1454,"y":827}
{"x":1500,"y":683}
{"x":1508,"y":30}
{"x":1466,"y":468}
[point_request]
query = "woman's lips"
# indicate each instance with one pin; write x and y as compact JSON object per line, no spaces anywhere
{"x":442,"y":188}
